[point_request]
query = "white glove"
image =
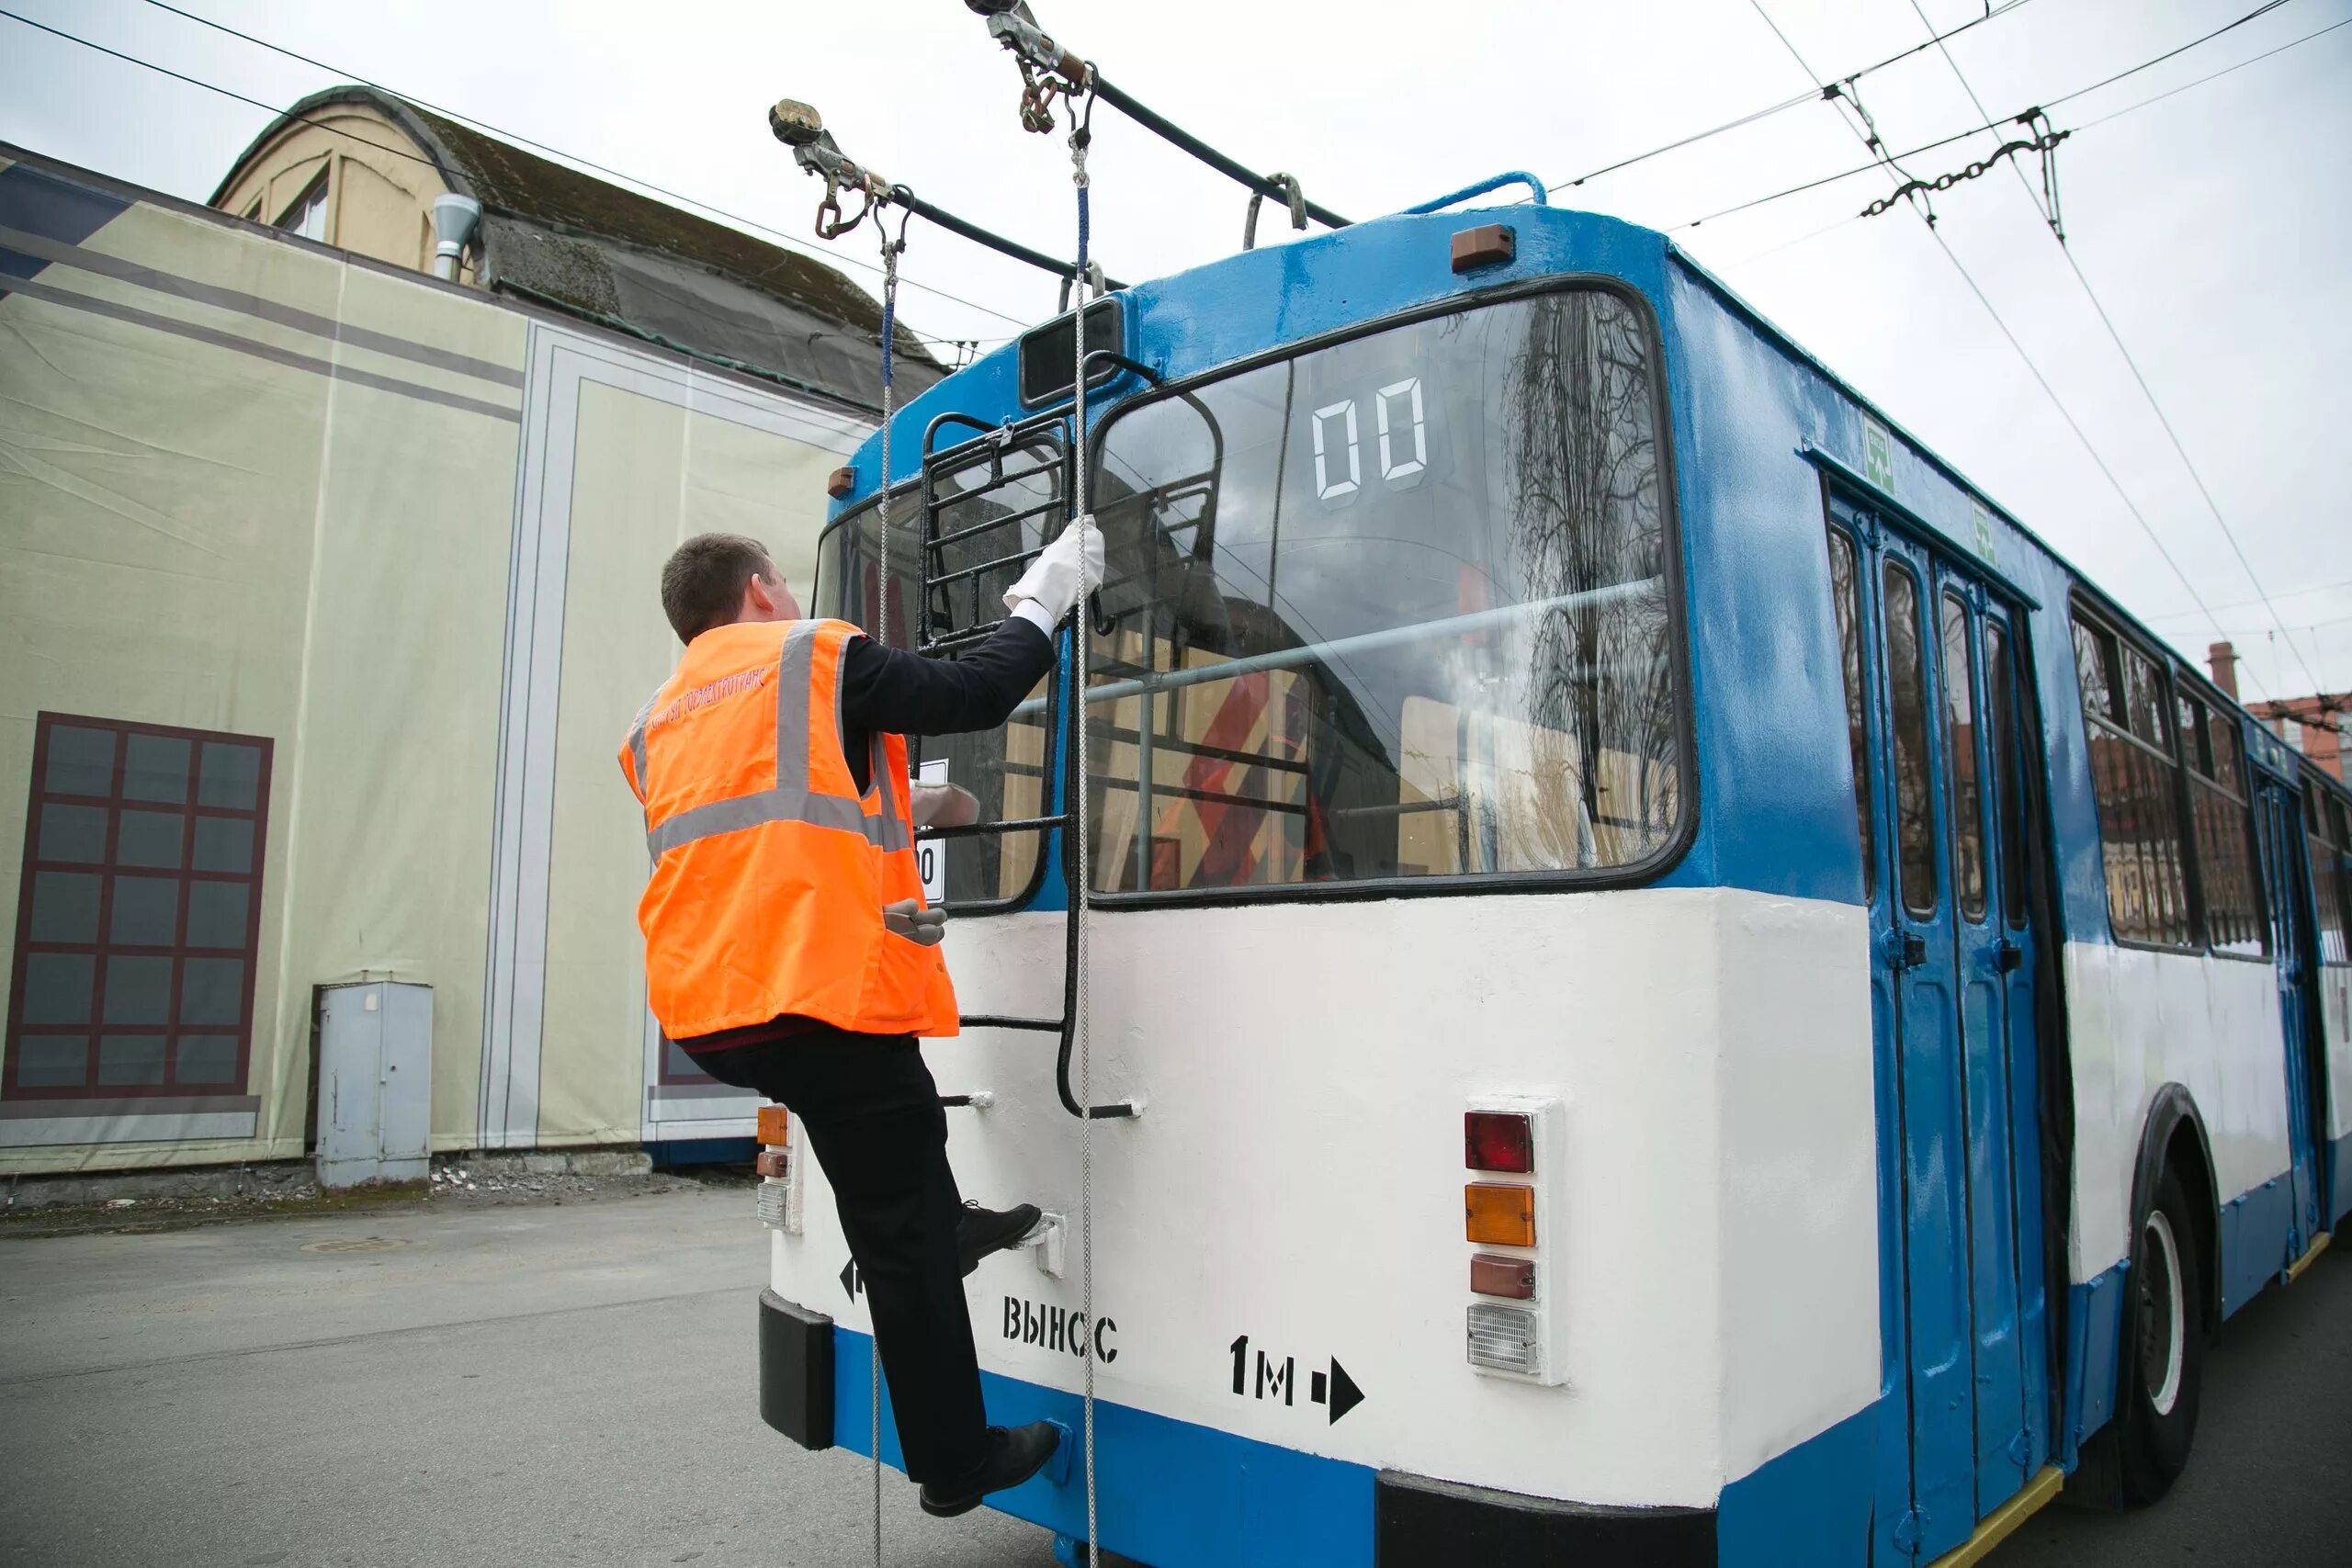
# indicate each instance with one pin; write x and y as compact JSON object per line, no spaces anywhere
{"x":1060,"y":577}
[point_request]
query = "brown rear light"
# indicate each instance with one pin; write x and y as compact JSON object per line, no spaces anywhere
{"x":772,"y":1163}
{"x":841,"y":481}
{"x":1492,"y":1275}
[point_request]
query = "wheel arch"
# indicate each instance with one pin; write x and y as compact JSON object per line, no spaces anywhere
{"x":2173,"y":1137}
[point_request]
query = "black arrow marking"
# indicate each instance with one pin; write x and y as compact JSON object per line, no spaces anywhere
{"x":850,"y":1279}
{"x":1345,"y":1394}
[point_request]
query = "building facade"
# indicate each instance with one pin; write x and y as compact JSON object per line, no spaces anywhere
{"x":330,"y":588}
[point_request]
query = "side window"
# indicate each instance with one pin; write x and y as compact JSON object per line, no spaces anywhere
{"x":2325,"y":835}
{"x":141,"y":901}
{"x":2235,"y":921}
{"x":1845,"y":592}
{"x":1964,"y":796}
{"x":1906,"y":679}
{"x":2134,"y":775}
{"x":2001,"y":713}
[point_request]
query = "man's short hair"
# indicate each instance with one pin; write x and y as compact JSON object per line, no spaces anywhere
{"x":703,"y":582}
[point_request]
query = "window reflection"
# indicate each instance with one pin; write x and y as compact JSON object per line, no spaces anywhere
{"x":1395,"y":608}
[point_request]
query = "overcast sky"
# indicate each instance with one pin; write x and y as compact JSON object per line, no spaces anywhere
{"x":2214,"y":225}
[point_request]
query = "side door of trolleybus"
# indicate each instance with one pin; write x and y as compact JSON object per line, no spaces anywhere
{"x":1953,"y":1018}
{"x":2278,"y":815}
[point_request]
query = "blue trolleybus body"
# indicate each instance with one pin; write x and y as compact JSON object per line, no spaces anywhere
{"x":1897,"y":1010}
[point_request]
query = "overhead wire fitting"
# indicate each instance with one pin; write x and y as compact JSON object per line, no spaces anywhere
{"x":2044,"y":142}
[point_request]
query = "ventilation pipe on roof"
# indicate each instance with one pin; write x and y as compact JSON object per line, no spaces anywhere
{"x":455,"y":218}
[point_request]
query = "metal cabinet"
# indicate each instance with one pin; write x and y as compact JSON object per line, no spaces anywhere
{"x":375,"y":1082}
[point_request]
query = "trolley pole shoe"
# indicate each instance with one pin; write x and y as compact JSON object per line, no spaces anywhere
{"x":1014,"y":1454}
{"x":979,"y":1232}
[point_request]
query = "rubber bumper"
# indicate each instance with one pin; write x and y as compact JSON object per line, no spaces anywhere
{"x":1422,"y":1523}
{"x":797,"y":1372}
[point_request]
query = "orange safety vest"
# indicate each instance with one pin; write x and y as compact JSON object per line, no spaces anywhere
{"x":770,"y":871}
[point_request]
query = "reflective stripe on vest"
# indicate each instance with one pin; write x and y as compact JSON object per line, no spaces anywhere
{"x":792,"y":799}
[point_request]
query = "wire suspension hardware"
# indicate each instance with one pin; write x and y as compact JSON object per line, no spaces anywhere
{"x":2044,"y":140}
{"x":1049,"y":71}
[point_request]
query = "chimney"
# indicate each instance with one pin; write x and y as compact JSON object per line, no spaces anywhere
{"x":2223,"y":659}
{"x":455,"y":218}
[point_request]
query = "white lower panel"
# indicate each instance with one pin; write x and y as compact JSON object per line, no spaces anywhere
{"x":1297,"y":1176}
{"x":2137,"y":1021}
{"x":27,"y":1132}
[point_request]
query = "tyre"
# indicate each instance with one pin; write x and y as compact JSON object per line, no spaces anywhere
{"x":2163,"y":1347}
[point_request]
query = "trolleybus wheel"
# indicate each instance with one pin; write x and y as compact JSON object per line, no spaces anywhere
{"x":2163,"y":1350}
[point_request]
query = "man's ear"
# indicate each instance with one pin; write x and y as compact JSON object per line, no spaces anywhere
{"x":759,"y":596}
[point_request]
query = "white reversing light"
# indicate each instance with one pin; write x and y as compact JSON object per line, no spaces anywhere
{"x":1505,"y":1338}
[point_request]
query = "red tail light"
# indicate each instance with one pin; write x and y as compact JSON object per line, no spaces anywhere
{"x":1499,"y":1140}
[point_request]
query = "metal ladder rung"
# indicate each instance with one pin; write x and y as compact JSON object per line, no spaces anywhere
{"x":1002,"y":1020}
{"x":1021,"y":559}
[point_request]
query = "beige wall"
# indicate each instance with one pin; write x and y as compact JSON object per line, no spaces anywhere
{"x":379,"y":186}
{"x":209,"y":531}
{"x":648,"y":474}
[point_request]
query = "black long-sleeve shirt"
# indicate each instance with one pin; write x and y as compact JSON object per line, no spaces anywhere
{"x":902,"y":693}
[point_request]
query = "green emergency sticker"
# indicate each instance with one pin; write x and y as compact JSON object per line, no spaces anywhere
{"x":1984,"y":532}
{"x":1878,"y":455}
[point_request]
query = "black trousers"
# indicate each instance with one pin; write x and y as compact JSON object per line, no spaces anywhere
{"x":873,"y":1117}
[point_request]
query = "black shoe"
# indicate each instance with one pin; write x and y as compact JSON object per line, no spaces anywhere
{"x":1014,"y":1454}
{"x":979,"y":1232}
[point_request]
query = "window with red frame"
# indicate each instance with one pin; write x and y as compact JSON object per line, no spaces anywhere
{"x":140,"y":912}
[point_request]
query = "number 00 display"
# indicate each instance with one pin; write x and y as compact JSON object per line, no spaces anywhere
{"x":1398,"y":425}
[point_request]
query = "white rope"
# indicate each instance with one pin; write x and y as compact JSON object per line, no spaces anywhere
{"x":1082,"y":881}
{"x":881,"y":631}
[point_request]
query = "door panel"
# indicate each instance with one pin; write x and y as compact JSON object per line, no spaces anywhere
{"x":2278,"y":812}
{"x":1921,"y":947}
{"x":1941,"y":758}
{"x":2014,"y":760}
{"x":1981,"y":949}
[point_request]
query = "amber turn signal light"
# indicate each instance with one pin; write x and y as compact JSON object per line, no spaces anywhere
{"x":1498,"y":1214}
{"x":775,"y":1126}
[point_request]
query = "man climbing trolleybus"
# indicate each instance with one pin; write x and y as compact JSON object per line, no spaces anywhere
{"x":1668,"y":983}
{"x":788,"y":949}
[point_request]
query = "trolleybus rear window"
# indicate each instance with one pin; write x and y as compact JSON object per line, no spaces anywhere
{"x":1398,"y":607}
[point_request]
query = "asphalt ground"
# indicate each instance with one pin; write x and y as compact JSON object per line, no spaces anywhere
{"x":576,"y":1386}
{"x":503,"y":1387}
